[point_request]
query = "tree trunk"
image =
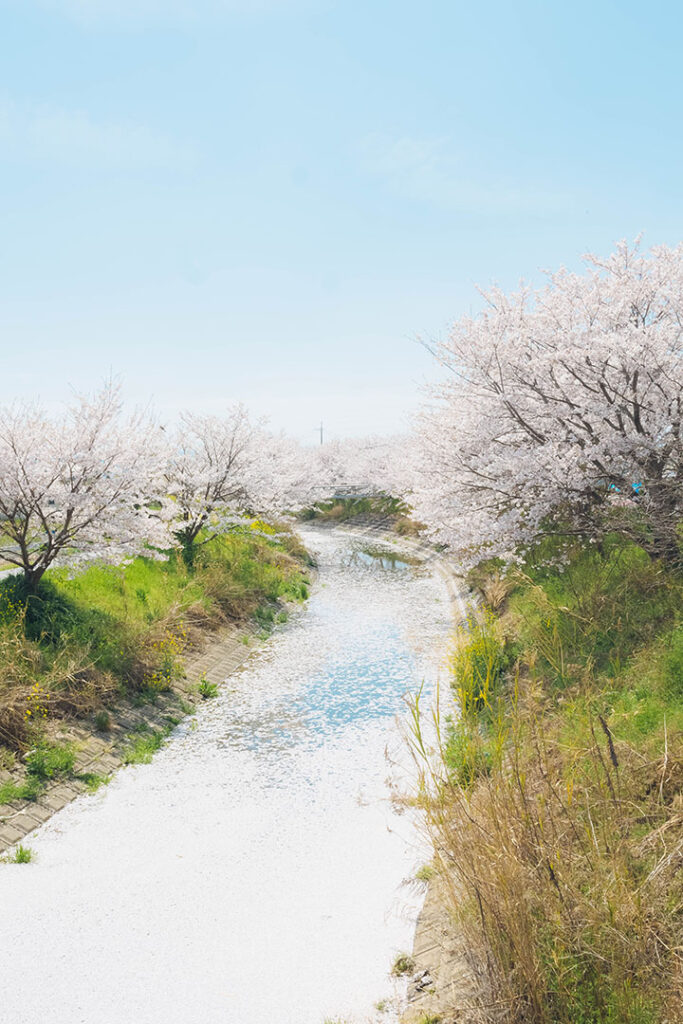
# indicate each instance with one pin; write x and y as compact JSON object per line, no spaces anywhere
{"x":32,"y":578}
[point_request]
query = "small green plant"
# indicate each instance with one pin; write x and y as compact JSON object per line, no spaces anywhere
{"x":383,"y":1006}
{"x":94,"y":781}
{"x":48,"y":760}
{"x":103,"y":721}
{"x":425,"y":873}
{"x":144,"y":745}
{"x":281,"y":617}
{"x":8,"y":792}
{"x":21,"y":855}
{"x":29,"y":789}
{"x":403,"y":964}
{"x":207,"y":690}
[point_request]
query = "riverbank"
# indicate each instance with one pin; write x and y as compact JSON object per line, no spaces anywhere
{"x":256,"y":865}
{"x":132,"y":734}
{"x":554,"y":802}
{"x":116,"y":658}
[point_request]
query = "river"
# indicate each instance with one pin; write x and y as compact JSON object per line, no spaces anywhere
{"x":254,"y":872}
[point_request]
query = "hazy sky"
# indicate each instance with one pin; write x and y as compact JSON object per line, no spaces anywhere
{"x":270,"y":200}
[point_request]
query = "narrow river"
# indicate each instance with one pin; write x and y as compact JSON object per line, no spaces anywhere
{"x":254,"y":872}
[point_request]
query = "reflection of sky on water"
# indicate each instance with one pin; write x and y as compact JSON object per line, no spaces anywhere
{"x":252,"y":872}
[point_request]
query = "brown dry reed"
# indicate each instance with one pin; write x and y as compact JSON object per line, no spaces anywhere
{"x":559,"y":848}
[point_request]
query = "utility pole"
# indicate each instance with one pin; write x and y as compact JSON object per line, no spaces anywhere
{"x":321,"y":431}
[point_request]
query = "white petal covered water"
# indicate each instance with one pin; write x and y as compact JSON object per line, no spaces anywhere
{"x":252,"y":874}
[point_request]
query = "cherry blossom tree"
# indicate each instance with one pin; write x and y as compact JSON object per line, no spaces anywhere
{"x":559,"y":407}
{"x":208,"y":475}
{"x":370,"y":466}
{"x":77,"y":487}
{"x":284,"y":476}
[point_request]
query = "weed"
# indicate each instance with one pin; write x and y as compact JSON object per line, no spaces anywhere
{"x":21,"y":855}
{"x":207,"y":690}
{"x":403,"y":964}
{"x":103,"y":721}
{"x":9,"y":791}
{"x":425,"y":874}
{"x":144,"y":745}
{"x":48,"y":760}
{"x":29,"y":789}
{"x":265,"y":615}
{"x":93,"y":780}
{"x":478,"y":662}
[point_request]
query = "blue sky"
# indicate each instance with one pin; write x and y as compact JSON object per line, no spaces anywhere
{"x":271,"y":200}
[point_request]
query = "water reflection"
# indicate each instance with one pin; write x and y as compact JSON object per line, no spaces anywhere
{"x":377,"y":558}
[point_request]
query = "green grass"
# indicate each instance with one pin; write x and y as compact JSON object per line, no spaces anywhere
{"x":144,"y":745}
{"x":29,"y":789}
{"x":94,"y":780}
{"x":596,"y":612}
{"x":49,"y":760}
{"x":111,"y":631}
{"x":21,"y":855}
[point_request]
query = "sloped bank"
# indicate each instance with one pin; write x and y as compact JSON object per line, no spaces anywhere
{"x":556,"y":818}
{"x":120,"y":657}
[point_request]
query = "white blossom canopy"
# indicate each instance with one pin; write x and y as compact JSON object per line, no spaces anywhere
{"x":77,"y":487}
{"x":560,"y":401}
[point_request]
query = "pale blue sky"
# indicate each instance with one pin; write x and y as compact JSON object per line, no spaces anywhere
{"x":269,"y":200}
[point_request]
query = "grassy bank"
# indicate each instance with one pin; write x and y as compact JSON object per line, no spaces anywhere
{"x":113,"y":633}
{"x":392,"y":512}
{"x":555,"y":805}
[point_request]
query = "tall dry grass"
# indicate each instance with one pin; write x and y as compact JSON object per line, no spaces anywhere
{"x":559,"y":842}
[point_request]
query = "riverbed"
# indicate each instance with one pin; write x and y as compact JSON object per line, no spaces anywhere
{"x":257,"y":871}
